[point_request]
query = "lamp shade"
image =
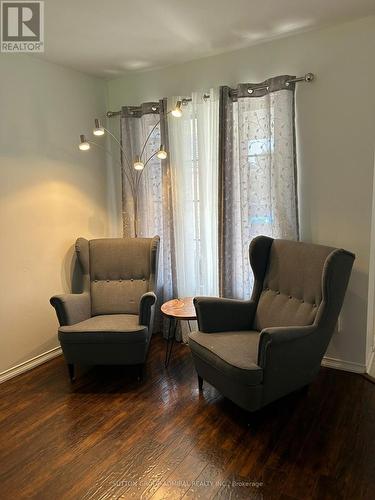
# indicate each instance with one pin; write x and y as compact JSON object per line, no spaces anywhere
{"x":162,"y":154}
{"x":177,"y":111}
{"x":98,"y":130}
{"x":138,"y":164}
{"x":83,"y":145}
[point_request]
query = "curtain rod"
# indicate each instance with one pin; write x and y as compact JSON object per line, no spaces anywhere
{"x":308,"y":77}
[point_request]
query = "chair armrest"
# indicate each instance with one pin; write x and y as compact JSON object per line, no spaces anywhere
{"x":290,"y":358}
{"x":216,"y":314}
{"x":286,"y":337}
{"x":146,"y":308}
{"x":71,"y":308}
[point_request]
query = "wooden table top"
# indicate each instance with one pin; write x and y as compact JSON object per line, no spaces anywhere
{"x":179,"y":308}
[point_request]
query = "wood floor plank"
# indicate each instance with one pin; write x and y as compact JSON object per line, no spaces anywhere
{"x":109,"y":436}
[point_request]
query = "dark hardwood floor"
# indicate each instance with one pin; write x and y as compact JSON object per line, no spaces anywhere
{"x":109,"y":436}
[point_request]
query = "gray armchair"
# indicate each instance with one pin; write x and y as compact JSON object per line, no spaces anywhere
{"x":259,"y":350}
{"x":111,"y":321}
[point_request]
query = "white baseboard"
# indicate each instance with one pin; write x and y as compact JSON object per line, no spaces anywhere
{"x":337,"y":364}
{"x":28,"y":365}
{"x":347,"y":366}
{"x":370,"y":368}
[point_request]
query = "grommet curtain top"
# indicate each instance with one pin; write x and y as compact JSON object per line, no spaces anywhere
{"x":283,"y":82}
{"x":145,"y":108}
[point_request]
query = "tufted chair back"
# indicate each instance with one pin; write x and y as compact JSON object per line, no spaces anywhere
{"x":117,"y":272}
{"x":298,"y":284}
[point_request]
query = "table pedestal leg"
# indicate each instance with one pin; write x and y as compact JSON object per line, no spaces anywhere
{"x":170,"y":340}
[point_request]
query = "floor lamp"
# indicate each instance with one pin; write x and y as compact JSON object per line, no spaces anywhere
{"x":134,"y":169}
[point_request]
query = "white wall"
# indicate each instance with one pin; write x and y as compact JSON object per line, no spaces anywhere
{"x":336,"y":125}
{"x":50,"y":193}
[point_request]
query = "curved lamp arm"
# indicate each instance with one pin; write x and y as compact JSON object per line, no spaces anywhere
{"x":147,"y":138}
{"x":131,"y":181}
{"x":140,"y":175}
{"x":149,"y":135}
{"x":118,"y":142}
{"x":120,"y":146}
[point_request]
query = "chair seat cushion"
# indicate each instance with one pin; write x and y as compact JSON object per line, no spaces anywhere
{"x":233,"y":353}
{"x":111,"y":328}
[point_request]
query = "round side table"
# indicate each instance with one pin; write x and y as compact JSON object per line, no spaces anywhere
{"x":177,"y":310}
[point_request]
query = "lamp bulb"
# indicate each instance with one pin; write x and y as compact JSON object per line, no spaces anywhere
{"x":98,"y":131}
{"x":177,"y":112}
{"x":138,"y":165}
{"x":162,"y":155}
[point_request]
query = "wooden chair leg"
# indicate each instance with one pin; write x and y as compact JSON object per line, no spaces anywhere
{"x":140,"y":373}
{"x":71,"y":372}
{"x":200,"y":383}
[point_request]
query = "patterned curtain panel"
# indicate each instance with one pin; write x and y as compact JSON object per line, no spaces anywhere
{"x":154,"y":215}
{"x":258,"y":186}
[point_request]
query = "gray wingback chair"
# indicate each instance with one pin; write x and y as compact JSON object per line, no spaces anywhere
{"x":111,"y":321}
{"x":259,"y":350}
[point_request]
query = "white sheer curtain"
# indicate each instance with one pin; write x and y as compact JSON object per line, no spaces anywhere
{"x":193,"y":145}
